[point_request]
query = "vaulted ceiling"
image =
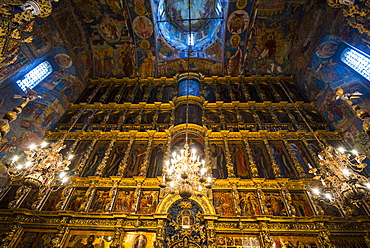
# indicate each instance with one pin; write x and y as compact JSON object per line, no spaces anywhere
{"x":143,"y":38}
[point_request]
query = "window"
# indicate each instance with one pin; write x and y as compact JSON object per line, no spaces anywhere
{"x":35,"y":76}
{"x":357,"y":61}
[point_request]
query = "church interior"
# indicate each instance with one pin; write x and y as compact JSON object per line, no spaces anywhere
{"x":185,"y":123}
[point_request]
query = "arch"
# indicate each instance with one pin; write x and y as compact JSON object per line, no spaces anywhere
{"x":170,"y":199}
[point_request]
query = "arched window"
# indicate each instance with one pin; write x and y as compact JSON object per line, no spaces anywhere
{"x":35,"y":76}
{"x":357,"y":61}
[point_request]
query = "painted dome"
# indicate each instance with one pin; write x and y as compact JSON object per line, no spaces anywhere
{"x":189,"y":28}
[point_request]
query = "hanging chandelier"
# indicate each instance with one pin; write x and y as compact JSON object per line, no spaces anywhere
{"x":43,"y":167}
{"x":186,"y":174}
{"x":339,"y":172}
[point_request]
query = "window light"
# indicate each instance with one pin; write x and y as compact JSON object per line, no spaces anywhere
{"x":357,"y":61}
{"x":35,"y":76}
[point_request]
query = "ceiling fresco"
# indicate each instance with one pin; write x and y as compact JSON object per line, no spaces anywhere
{"x":155,"y":38}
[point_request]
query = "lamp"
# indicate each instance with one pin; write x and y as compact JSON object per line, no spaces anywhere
{"x":185,"y":173}
{"x":45,"y":167}
{"x":338,"y":171}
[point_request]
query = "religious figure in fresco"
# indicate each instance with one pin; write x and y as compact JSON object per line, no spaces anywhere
{"x":274,"y":204}
{"x":148,"y":202}
{"x":264,"y":168}
{"x":96,"y":159}
{"x":143,"y":27}
{"x":248,"y":204}
{"x":282,"y":161}
{"x":125,"y":202}
{"x":237,"y":22}
{"x":156,"y":161}
{"x":140,"y":242}
{"x":233,"y":62}
{"x":101,"y":203}
{"x":136,"y":160}
{"x":239,"y":161}
{"x":218,"y":162}
{"x":52,"y":201}
{"x":223,"y":203}
{"x":118,"y":154}
{"x":79,"y":153}
{"x":108,"y":63}
{"x":300,"y":157}
{"x":209,"y":94}
{"x":90,"y":241}
{"x":270,"y":46}
{"x":146,"y":68}
{"x":126,"y":64}
{"x":224,"y":94}
{"x":301,"y":205}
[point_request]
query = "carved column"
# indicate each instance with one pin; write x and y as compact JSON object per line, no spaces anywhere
{"x":211,"y":234}
{"x":288,"y":200}
{"x":297,"y":166}
{"x":113,"y":195}
{"x":122,"y":166}
{"x":229,"y":165}
{"x":266,"y":237}
{"x":103,"y":164}
{"x":90,"y":196}
{"x":12,"y":236}
{"x":19,"y":196}
{"x":42,"y":195}
{"x":119,"y":94}
{"x":207,"y":160}
{"x":66,"y":194}
{"x":215,"y":85}
{"x":58,"y":240}
{"x":137,"y":195}
{"x":261,"y":200}
{"x":161,"y":234}
{"x":235,"y":199}
{"x":145,"y":165}
{"x":259,"y":91}
{"x":324,"y":239}
{"x":275,"y":167}
{"x":86,"y":156}
{"x":232,"y":96}
{"x":245,"y":90}
{"x":162,"y":192}
{"x":252,"y":163}
{"x":274,"y":92}
{"x":106,"y":93}
{"x":118,"y":238}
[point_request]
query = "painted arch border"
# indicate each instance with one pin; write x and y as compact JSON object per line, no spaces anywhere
{"x":170,"y":199}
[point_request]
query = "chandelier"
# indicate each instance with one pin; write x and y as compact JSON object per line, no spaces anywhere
{"x":339,"y":172}
{"x":43,"y":167}
{"x":186,"y":174}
